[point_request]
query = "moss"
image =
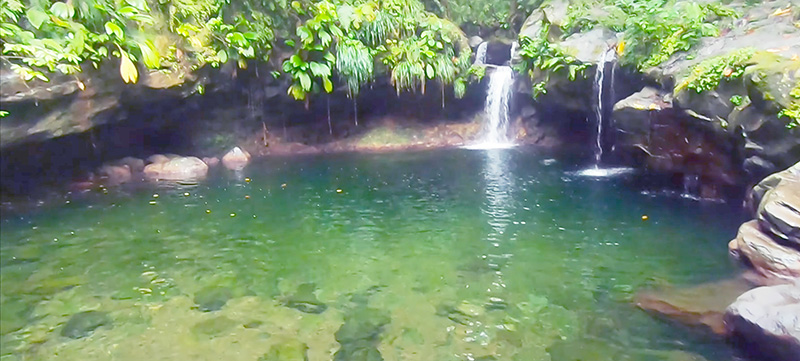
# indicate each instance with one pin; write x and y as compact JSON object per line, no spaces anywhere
{"x":709,"y":73}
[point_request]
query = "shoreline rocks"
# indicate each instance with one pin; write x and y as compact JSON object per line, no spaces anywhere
{"x":176,"y":169}
{"x":236,"y":159}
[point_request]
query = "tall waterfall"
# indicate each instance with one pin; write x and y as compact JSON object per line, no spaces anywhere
{"x":599,"y":80}
{"x":599,"y":85}
{"x":495,"y":127}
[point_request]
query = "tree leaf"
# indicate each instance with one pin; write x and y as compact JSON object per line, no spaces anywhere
{"x":127,"y":69}
{"x":429,"y":71}
{"x":36,"y":17}
{"x":222,"y":55}
{"x":305,"y":81}
{"x":150,"y":54}
{"x":326,"y":82}
{"x":62,"y":10}
{"x":319,"y":69}
{"x":112,"y":28}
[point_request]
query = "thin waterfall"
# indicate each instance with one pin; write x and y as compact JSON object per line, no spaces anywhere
{"x":480,"y":54}
{"x":599,"y":80}
{"x":494,"y":133}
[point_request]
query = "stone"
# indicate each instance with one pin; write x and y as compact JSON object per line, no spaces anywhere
{"x":213,"y":326}
{"x":115,"y":174}
{"x":236,"y":159}
{"x":211,"y":161}
{"x":304,"y":300}
{"x":360,"y":334}
{"x":779,"y":212}
{"x":590,"y":46}
{"x":768,"y":258}
{"x":136,"y":165}
{"x":212,"y":298}
{"x":767,"y":321}
{"x":286,"y":350}
{"x":82,"y":324}
{"x":703,"y":305}
{"x":157,"y":158}
{"x":177,"y":169}
{"x":474,"y":41}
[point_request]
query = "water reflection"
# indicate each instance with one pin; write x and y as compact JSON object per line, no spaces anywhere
{"x":498,"y":209}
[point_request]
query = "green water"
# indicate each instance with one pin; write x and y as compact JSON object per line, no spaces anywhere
{"x":447,"y":255}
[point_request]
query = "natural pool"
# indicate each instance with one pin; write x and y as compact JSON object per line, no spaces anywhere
{"x":445,"y":255}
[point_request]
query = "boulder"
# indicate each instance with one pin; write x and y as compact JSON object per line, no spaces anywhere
{"x":211,"y":161}
{"x":770,"y":182}
{"x":779,"y":212}
{"x":703,"y":305}
{"x":767,"y":322}
{"x":761,"y":252}
{"x":136,"y":165}
{"x":591,"y":46}
{"x":158,"y":158}
{"x":177,"y":169}
{"x":114,"y":174}
{"x":236,"y":159}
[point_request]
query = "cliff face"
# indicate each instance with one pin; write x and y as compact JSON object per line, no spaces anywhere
{"x":725,"y":135}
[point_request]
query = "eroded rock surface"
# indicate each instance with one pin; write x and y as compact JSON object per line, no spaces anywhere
{"x":767,"y":321}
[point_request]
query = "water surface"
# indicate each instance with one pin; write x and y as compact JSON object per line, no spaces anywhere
{"x":447,"y":255}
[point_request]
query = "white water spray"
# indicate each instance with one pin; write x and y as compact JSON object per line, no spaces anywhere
{"x":599,"y":80}
{"x":495,"y":127}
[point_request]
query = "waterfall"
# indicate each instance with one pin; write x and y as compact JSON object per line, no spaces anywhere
{"x":599,"y":80}
{"x":494,"y":133}
{"x":480,"y":54}
{"x":599,"y":84}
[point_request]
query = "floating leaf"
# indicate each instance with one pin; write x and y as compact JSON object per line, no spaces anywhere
{"x":127,"y":69}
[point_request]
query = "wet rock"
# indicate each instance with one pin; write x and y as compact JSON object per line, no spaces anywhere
{"x":14,"y":316}
{"x":767,"y":257}
{"x":177,"y":169}
{"x":305,"y":300}
{"x":767,"y":320}
{"x":136,"y":165}
{"x":214,"y":326}
{"x":212,"y":298}
{"x":779,"y":212}
{"x":211,"y":161}
{"x":465,"y":313}
{"x":82,"y":324}
{"x":236,"y":159}
{"x":359,"y":335}
{"x":113,"y":175}
{"x":588,"y":47}
{"x":702,"y":305}
{"x":158,"y":158}
{"x":286,"y":350}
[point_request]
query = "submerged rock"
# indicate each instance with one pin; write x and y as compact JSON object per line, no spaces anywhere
{"x":115,"y":174}
{"x":286,"y":350}
{"x":702,"y":305}
{"x":359,"y":335}
{"x":213,"y":326}
{"x":83,"y":324}
{"x":236,"y":159}
{"x":305,"y":300}
{"x":767,"y":320}
{"x":212,"y":298}
{"x":176,"y":169}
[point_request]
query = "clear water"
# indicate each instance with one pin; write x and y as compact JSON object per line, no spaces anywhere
{"x":447,"y":255}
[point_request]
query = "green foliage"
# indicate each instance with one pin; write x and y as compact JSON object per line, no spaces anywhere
{"x":41,"y":36}
{"x":653,"y":30}
{"x":539,"y":56}
{"x":737,"y":100}
{"x":359,"y":40}
{"x":708,"y":74}
{"x":793,"y":110}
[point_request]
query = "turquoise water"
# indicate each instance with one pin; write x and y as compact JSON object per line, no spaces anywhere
{"x":446,"y":255}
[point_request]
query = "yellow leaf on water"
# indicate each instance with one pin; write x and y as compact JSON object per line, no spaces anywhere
{"x":127,"y":69}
